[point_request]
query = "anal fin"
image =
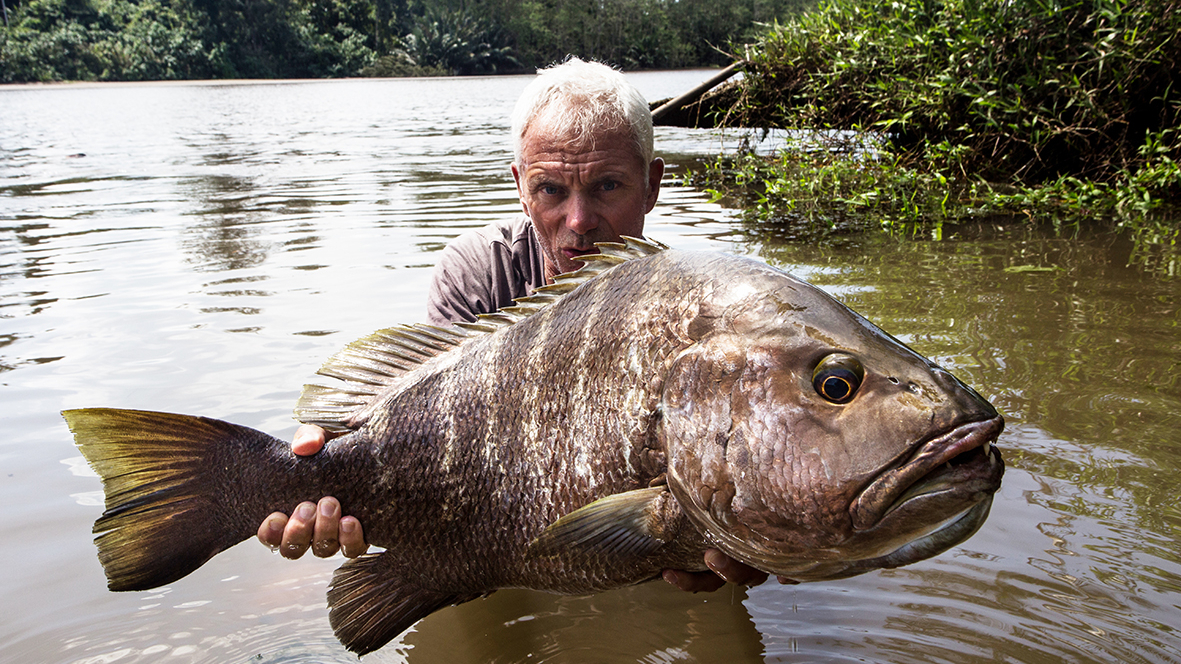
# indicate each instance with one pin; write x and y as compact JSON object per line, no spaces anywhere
{"x":369,"y":605}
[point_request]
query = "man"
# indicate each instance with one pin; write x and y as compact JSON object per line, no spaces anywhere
{"x":585,"y":173}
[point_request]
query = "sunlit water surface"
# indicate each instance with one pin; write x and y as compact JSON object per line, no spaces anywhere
{"x":202,"y":248}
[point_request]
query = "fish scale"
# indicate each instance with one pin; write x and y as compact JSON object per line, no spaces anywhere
{"x":615,"y":424}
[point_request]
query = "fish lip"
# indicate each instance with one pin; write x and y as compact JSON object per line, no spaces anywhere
{"x":896,"y":485}
{"x":955,"y":530}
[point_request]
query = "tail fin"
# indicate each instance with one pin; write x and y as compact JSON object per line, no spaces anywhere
{"x":174,"y":490}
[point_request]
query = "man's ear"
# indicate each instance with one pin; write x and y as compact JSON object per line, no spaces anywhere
{"x":520,"y":187}
{"x":655,"y":174}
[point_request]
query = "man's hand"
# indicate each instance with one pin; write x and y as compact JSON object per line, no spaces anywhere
{"x":319,"y":526}
{"x":722,"y":569}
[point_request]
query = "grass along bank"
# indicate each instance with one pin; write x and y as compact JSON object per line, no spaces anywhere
{"x":1063,"y":110}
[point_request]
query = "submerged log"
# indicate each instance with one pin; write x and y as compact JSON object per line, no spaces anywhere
{"x":698,"y":107}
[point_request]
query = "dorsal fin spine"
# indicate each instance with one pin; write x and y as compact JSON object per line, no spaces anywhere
{"x":370,"y":366}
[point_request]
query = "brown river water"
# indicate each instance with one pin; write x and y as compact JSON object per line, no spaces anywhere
{"x":201,"y":248}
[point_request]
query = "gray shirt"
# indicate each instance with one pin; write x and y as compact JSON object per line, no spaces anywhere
{"x":484,"y":270}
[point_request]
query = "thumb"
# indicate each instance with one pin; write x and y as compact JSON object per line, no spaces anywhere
{"x":308,"y":440}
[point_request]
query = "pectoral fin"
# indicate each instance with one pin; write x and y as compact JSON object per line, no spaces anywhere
{"x":621,"y":526}
{"x":369,"y":604}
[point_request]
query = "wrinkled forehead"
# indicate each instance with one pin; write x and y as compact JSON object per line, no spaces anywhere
{"x":573,"y":130}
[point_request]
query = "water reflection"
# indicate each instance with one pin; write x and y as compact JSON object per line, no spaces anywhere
{"x":216,"y":243}
{"x":224,"y":236}
{"x":519,"y":626}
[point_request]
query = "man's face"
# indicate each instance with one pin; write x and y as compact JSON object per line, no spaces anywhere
{"x":577,"y":196}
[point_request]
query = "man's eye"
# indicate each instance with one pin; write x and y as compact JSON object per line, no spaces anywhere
{"x":549,"y":190}
{"x":610,"y":185}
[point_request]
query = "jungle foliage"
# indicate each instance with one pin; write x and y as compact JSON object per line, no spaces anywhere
{"x":936,"y":109}
{"x":107,"y":40}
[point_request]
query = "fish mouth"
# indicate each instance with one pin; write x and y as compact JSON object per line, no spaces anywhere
{"x":944,"y":536}
{"x":958,"y":466}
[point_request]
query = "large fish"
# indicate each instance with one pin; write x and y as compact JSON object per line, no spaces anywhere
{"x":616,"y":424}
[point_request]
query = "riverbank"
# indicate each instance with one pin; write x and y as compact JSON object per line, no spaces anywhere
{"x":930,"y":112}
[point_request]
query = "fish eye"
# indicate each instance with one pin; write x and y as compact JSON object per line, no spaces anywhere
{"x":837,"y":377}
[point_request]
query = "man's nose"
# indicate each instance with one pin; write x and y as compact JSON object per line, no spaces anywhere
{"x":580,"y":214}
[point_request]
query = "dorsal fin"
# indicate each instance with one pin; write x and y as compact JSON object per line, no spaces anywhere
{"x":373,"y":364}
{"x":610,"y":254}
{"x":368,"y":367}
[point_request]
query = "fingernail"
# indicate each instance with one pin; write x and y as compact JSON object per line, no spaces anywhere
{"x":327,"y":509}
{"x":716,"y":562}
{"x":305,"y":511}
{"x":714,"y":559}
{"x":348,"y":526}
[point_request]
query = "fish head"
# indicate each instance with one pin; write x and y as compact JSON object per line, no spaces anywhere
{"x":804,"y":441}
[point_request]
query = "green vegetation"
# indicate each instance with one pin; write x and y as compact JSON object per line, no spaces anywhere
{"x":113,"y":40}
{"x":925,"y":110}
{"x":120,"y":40}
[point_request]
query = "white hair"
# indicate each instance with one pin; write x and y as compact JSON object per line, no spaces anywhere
{"x":580,"y":99}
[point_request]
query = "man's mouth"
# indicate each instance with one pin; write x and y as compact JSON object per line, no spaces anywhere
{"x":572,"y":253}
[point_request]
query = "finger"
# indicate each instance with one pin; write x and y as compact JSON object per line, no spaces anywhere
{"x":733,"y":571}
{"x":693,"y":582}
{"x":308,"y":440}
{"x":297,"y":536}
{"x":271,"y":530}
{"x":352,"y":538}
{"x":326,"y":541}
